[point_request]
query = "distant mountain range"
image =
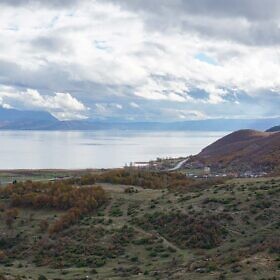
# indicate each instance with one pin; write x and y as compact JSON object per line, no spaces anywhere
{"x":11,"y":119}
{"x":16,"y":119}
{"x":16,"y":115}
{"x":244,"y":150}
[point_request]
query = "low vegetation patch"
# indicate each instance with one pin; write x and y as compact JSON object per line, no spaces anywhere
{"x":155,"y":180}
{"x":186,"y":231}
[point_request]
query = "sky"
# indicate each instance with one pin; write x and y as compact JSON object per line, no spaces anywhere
{"x":141,"y":60}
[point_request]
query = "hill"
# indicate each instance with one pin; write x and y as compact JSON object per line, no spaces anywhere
{"x":228,"y":230}
{"x":244,"y":150}
{"x":274,"y":129}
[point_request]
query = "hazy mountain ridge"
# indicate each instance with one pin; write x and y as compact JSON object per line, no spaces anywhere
{"x":15,"y":119}
{"x":37,"y":120}
{"x":17,"y":115}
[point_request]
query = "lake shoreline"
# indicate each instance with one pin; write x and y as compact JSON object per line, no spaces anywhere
{"x":33,"y":150}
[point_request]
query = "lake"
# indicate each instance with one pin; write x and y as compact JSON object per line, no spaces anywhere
{"x":91,"y":149}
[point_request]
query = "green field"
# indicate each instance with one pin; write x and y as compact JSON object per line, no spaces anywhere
{"x":225,"y":231}
{"x":8,"y":176}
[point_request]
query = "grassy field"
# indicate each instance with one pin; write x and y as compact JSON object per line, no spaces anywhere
{"x":226,"y":231}
{"x":8,"y":176}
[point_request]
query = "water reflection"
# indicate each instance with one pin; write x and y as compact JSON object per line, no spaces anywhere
{"x":89,"y":149}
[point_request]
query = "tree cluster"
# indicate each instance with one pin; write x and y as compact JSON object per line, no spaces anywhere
{"x":77,"y":201}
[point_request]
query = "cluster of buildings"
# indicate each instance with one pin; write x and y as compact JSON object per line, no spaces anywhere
{"x":206,"y":172}
{"x":196,"y":169}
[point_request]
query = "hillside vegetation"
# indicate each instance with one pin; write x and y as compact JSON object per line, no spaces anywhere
{"x":62,"y":230}
{"x":152,"y":179}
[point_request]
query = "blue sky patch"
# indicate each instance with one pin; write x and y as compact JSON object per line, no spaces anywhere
{"x":205,"y":58}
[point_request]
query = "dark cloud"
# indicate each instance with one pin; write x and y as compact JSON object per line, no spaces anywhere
{"x":51,"y":77}
{"x":57,"y":78}
{"x":251,"y":22}
{"x":263,"y":33}
{"x":250,"y":9}
{"x":49,"y":43}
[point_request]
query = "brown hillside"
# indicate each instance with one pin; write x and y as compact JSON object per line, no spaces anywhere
{"x":244,"y":149}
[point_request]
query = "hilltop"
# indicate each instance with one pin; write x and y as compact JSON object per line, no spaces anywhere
{"x":243,"y":150}
{"x":274,"y":129}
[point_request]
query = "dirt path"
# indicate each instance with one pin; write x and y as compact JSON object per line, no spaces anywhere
{"x":165,"y":241}
{"x":109,"y":207}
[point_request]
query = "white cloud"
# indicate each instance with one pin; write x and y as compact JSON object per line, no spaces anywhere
{"x":118,"y":106}
{"x":106,"y":109}
{"x":4,"y":105}
{"x":192,"y":115}
{"x":184,"y":114}
{"x":61,"y":105}
{"x":134,"y":105}
{"x":114,"y":55}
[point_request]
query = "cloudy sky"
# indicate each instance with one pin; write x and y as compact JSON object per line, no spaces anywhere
{"x":140,"y":59}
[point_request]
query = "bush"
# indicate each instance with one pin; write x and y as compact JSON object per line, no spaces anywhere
{"x":2,"y":256}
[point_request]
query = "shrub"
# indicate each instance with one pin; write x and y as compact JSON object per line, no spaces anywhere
{"x":2,"y":256}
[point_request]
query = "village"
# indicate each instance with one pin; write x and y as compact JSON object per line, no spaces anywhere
{"x":193,"y":169}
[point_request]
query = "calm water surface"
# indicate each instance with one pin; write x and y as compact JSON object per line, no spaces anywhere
{"x":102,"y":149}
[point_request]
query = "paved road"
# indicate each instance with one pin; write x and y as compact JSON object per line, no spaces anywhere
{"x":178,"y":165}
